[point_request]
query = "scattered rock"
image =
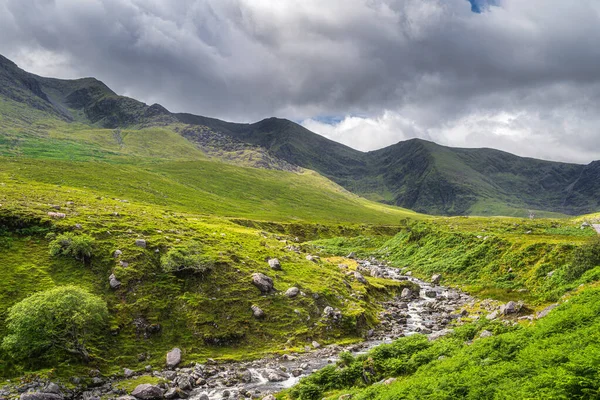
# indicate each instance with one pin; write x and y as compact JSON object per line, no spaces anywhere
{"x":146,"y":391}
{"x":439,"y":334}
{"x":292,"y":292}
{"x":431,"y":294}
{"x":114,"y":282}
{"x":313,"y":258}
{"x":269,"y":397}
{"x":389,"y":381}
{"x":546,"y":310}
{"x":351,"y":255}
{"x":171,"y":394}
{"x":262,"y":282}
{"x":509,"y":308}
{"x":185,"y":382}
{"x":436,"y":278}
{"x":140,"y":243}
{"x":315,"y":344}
{"x":173,"y":358}
{"x":485,"y":333}
{"x":406,"y":293}
{"x":360,"y":278}
{"x":117,"y":253}
{"x":41,"y":396}
{"x":275,"y":264}
{"x":492,"y":315}
{"x":128,"y":373}
{"x":257,"y":311}
{"x":203,"y":396}
{"x":78,"y":226}
{"x":57,"y":215}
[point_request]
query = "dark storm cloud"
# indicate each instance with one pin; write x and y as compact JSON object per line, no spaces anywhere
{"x":520,"y":75}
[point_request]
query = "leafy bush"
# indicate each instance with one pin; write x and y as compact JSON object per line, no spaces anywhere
{"x":61,"y":320}
{"x":68,"y":244}
{"x":186,"y":257}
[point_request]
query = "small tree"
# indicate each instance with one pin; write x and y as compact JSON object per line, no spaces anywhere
{"x":68,"y":244}
{"x":62,"y":320}
{"x":186,"y":257}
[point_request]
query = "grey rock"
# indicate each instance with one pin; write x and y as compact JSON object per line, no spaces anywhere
{"x":185,"y":382}
{"x":431,"y":294}
{"x":275,"y":264}
{"x":292,"y":292}
{"x":492,"y":315}
{"x":171,"y":394}
{"x":546,"y":311}
{"x":170,"y":375}
{"x":41,"y":396}
{"x":203,"y":396}
{"x":126,"y":397}
{"x":114,"y":282}
{"x":117,"y":253}
{"x":406,"y":293}
{"x":351,"y":255}
{"x":141,"y":243}
{"x":146,"y":391}
{"x":52,"y":388}
{"x":328,"y":312}
{"x":315,"y":344}
{"x":269,"y":397}
{"x":313,"y":258}
{"x":436,"y":278}
{"x":509,"y":308}
{"x":439,"y":334}
{"x":485,"y":333}
{"x":257,"y":311}
{"x":360,"y":278}
{"x":173,"y":358}
{"x":128,"y":373}
{"x":262,"y":282}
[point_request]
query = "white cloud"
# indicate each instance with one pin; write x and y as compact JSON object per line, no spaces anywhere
{"x":523,"y":76}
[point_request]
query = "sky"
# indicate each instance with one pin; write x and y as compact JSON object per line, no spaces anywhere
{"x":517,"y":75}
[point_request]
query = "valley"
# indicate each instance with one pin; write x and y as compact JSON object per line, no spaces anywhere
{"x":279,"y":263}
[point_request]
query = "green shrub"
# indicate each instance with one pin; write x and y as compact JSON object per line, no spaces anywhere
{"x":68,"y":244}
{"x":584,"y":258}
{"x":186,"y":257}
{"x":62,"y":320}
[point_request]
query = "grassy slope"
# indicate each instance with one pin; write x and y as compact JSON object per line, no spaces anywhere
{"x":150,"y":183}
{"x":504,"y":258}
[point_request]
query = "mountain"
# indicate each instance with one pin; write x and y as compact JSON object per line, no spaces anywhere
{"x":415,"y":174}
{"x":428,"y":177}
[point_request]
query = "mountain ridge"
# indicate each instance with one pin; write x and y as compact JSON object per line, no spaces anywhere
{"x":417,"y":174}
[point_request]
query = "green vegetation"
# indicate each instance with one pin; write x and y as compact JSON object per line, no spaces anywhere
{"x":534,"y":260}
{"x":57,"y":321}
{"x":68,"y":244}
{"x":557,"y":357}
{"x":186,"y":257}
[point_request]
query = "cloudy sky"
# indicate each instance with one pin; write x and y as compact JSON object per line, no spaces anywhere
{"x":518,"y":75}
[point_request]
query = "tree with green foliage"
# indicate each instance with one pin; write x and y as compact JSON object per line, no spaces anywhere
{"x":61,"y":320}
{"x":187,"y":257}
{"x":68,"y":244}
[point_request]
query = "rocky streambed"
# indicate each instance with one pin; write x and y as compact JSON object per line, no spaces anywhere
{"x":428,"y":311}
